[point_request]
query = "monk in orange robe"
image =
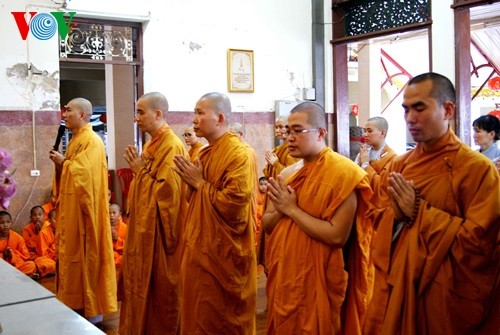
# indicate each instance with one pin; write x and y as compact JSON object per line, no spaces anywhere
{"x":436,"y":249}
{"x":261,"y":198}
{"x":12,"y":247}
{"x":118,"y":233}
{"x":195,"y":144}
{"x":279,"y":157}
{"x":49,"y":205}
{"x":375,"y":156}
{"x":31,"y":230}
{"x":46,"y":247}
{"x":218,"y":271}
{"x":310,"y":217}
{"x":239,"y":130}
{"x":86,"y":278}
{"x":149,"y":282}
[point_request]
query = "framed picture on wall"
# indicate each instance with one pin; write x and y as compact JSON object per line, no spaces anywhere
{"x":240,"y":75}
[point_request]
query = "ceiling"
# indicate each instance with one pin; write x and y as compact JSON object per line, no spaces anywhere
{"x":485,"y":31}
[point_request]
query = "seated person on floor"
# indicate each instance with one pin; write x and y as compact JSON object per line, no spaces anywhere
{"x":32,"y":229}
{"x":46,"y":247}
{"x":12,"y":247}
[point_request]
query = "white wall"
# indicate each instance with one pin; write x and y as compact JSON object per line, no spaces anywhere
{"x":186,"y":43}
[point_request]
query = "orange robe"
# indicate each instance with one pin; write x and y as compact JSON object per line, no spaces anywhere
{"x":31,"y":237}
{"x":47,"y":208}
{"x":377,"y":171}
{"x":20,"y":255}
{"x":284,"y":160}
{"x":194,"y":150}
{"x":307,"y":282}
{"x":438,"y":276}
{"x":149,"y":281}
{"x":86,"y":276}
{"x":218,"y":271}
{"x":260,"y":209}
{"x":119,"y":244}
{"x":46,"y":250}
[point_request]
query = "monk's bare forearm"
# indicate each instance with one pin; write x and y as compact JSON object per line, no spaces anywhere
{"x":334,"y":233}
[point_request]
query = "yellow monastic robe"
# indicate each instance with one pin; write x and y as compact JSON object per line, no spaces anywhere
{"x":151,"y":259}
{"x":194,"y":150}
{"x":284,"y":160}
{"x":308,"y":281}
{"x":20,"y":255}
{"x":86,"y":276}
{"x":218,"y":271}
{"x":46,"y":250}
{"x":439,"y":275}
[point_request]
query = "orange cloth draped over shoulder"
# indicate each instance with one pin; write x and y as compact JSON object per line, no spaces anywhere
{"x":378,"y":172}
{"x":194,"y":150}
{"x":119,"y":244}
{"x":86,"y":276}
{"x":46,"y":250}
{"x":20,"y":255}
{"x":284,"y":160}
{"x":47,"y":208}
{"x":149,"y":279}
{"x":218,"y":271}
{"x":440,"y":275}
{"x":31,"y":237}
{"x":309,"y":287}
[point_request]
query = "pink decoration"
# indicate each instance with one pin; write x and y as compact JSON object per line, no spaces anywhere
{"x":8,"y":185}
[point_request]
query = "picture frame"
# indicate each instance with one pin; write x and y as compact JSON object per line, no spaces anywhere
{"x":240,"y":71}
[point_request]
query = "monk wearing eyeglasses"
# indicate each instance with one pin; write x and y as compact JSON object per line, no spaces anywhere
{"x":311,"y":216}
{"x":192,"y":141}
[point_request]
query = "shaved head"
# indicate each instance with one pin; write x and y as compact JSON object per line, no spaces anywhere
{"x":156,"y":101}
{"x":83,"y":105}
{"x":219,"y":103}
{"x":315,"y":113}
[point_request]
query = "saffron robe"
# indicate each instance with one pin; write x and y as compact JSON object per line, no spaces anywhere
{"x":260,"y":209}
{"x":219,"y":271}
{"x":119,"y":244}
{"x":149,"y":275}
{"x":46,"y":251}
{"x":47,"y":208}
{"x":307,"y":282}
{"x":86,"y":276}
{"x":31,"y":237}
{"x":377,"y":171}
{"x":439,"y":275}
{"x":284,"y":160}
{"x":20,"y":255}
{"x":194,"y":150}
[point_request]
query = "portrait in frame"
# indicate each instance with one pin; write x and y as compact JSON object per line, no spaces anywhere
{"x":240,"y":74}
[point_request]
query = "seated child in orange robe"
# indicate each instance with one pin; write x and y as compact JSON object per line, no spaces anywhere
{"x":119,"y":233}
{"x":46,"y":247}
{"x":32,"y":229}
{"x":12,"y":247}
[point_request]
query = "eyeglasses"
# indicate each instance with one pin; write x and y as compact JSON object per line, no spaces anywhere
{"x":297,"y":132}
{"x":187,"y":135}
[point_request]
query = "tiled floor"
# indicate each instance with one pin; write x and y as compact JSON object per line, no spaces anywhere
{"x":111,"y":321}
